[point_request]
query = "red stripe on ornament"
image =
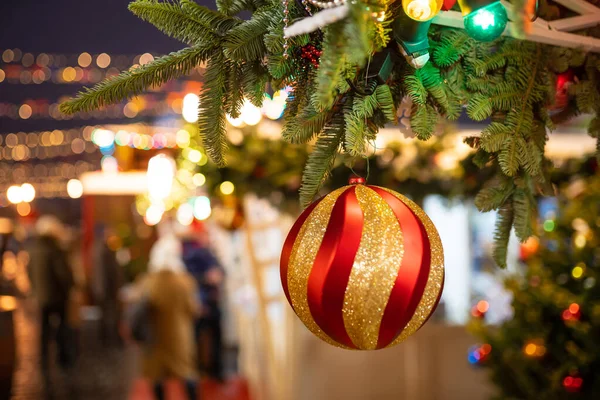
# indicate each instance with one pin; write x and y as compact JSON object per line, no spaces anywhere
{"x":331,"y":270}
{"x":413,"y":271}
{"x":288,"y":245}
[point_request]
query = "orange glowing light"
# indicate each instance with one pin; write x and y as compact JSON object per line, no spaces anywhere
{"x":574,"y":308}
{"x":486,"y":349}
{"x":483,"y":306}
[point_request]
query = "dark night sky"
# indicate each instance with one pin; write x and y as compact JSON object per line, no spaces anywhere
{"x":74,"y":26}
{"x":71,"y":27}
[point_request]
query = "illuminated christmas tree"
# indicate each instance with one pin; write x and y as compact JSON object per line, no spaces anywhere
{"x":550,"y":349}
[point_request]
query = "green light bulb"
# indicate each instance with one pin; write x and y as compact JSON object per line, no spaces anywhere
{"x":486,"y":23}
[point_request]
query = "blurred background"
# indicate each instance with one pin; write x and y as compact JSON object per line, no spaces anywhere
{"x":125,"y":203}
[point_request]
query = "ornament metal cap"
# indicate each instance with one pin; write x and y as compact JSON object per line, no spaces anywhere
{"x":356,"y":180}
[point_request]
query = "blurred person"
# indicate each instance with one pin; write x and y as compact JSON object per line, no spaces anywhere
{"x":170,"y":351}
{"x":51,"y":282}
{"x":106,"y":282}
{"x":202,"y":264}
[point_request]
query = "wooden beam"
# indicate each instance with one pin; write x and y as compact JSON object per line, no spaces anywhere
{"x":579,"y":6}
{"x":538,"y":34}
{"x":575,"y":23}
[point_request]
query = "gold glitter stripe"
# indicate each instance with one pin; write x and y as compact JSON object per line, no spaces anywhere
{"x":303,"y":255}
{"x":374,"y":271}
{"x":436,"y":274}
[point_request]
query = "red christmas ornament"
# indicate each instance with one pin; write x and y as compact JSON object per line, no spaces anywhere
{"x":363,"y":267}
{"x":448,"y":4}
{"x":563,"y":81}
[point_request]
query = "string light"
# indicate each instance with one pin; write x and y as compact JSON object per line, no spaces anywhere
{"x":189,"y":111}
{"x":422,"y":10}
{"x":14,"y":194}
{"x":578,"y":271}
{"x":103,"y":60}
{"x":199,"y":179}
{"x":479,"y":310}
{"x":153,"y":215}
{"x":534,"y":348}
{"x":74,"y":188}
{"x":572,"y":313}
{"x":227,"y":188}
{"x":161,"y":172}
{"x":549,"y":225}
{"x":23,"y":209}
{"x":185,"y":214}
{"x":202,"y":209}
{"x":485,"y":24}
{"x":479,"y":353}
{"x":27,"y":192}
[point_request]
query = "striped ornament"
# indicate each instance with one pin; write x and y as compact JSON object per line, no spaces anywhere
{"x":363,"y":267}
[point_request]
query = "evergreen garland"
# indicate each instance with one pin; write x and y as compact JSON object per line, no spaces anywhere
{"x":510,"y":83}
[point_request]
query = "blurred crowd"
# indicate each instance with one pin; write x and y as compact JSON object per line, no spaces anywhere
{"x":172,"y":311}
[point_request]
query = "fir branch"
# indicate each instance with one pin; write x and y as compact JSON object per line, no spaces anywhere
{"x":453,"y":45}
{"x":170,"y":19}
{"x":321,"y":160}
{"x":245,"y":42}
{"x":217,"y":21}
{"x":235,"y":93}
{"x":523,"y":214}
{"x":385,"y":102}
{"x":494,"y":137}
{"x":211,"y":112}
{"x":254,"y":78}
{"x":504,"y":223}
{"x":494,"y":196}
{"x":133,"y":82}
{"x":331,"y":65}
{"x":307,"y":124}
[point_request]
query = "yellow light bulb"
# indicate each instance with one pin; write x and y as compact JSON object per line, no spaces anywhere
{"x":422,"y":10}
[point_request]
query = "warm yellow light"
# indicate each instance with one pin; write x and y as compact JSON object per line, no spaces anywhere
{"x":202,"y":208}
{"x":8,"y":55}
{"x":103,"y":60}
{"x":199,"y":179}
{"x":194,"y":156}
{"x":161,"y":172}
{"x":84,"y":60}
{"x":237,"y":122}
{"x":69,"y":74}
{"x":578,"y":271}
{"x":2,"y":75}
{"x":182,"y":138}
{"x":57,"y":137}
{"x":422,"y":10}
{"x":189,"y":111}
{"x":146,"y":58}
{"x":130,"y":110}
{"x":23,"y":209}
{"x":153,"y":215}
{"x":273,"y":109}
{"x":530,"y":349}
{"x":227,"y":187}
{"x":580,"y":241}
{"x":25,"y":111}
{"x":74,"y":188}
{"x":27,"y":192}
{"x":185,"y":214}
{"x":250,"y":114}
{"x":14,"y":194}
